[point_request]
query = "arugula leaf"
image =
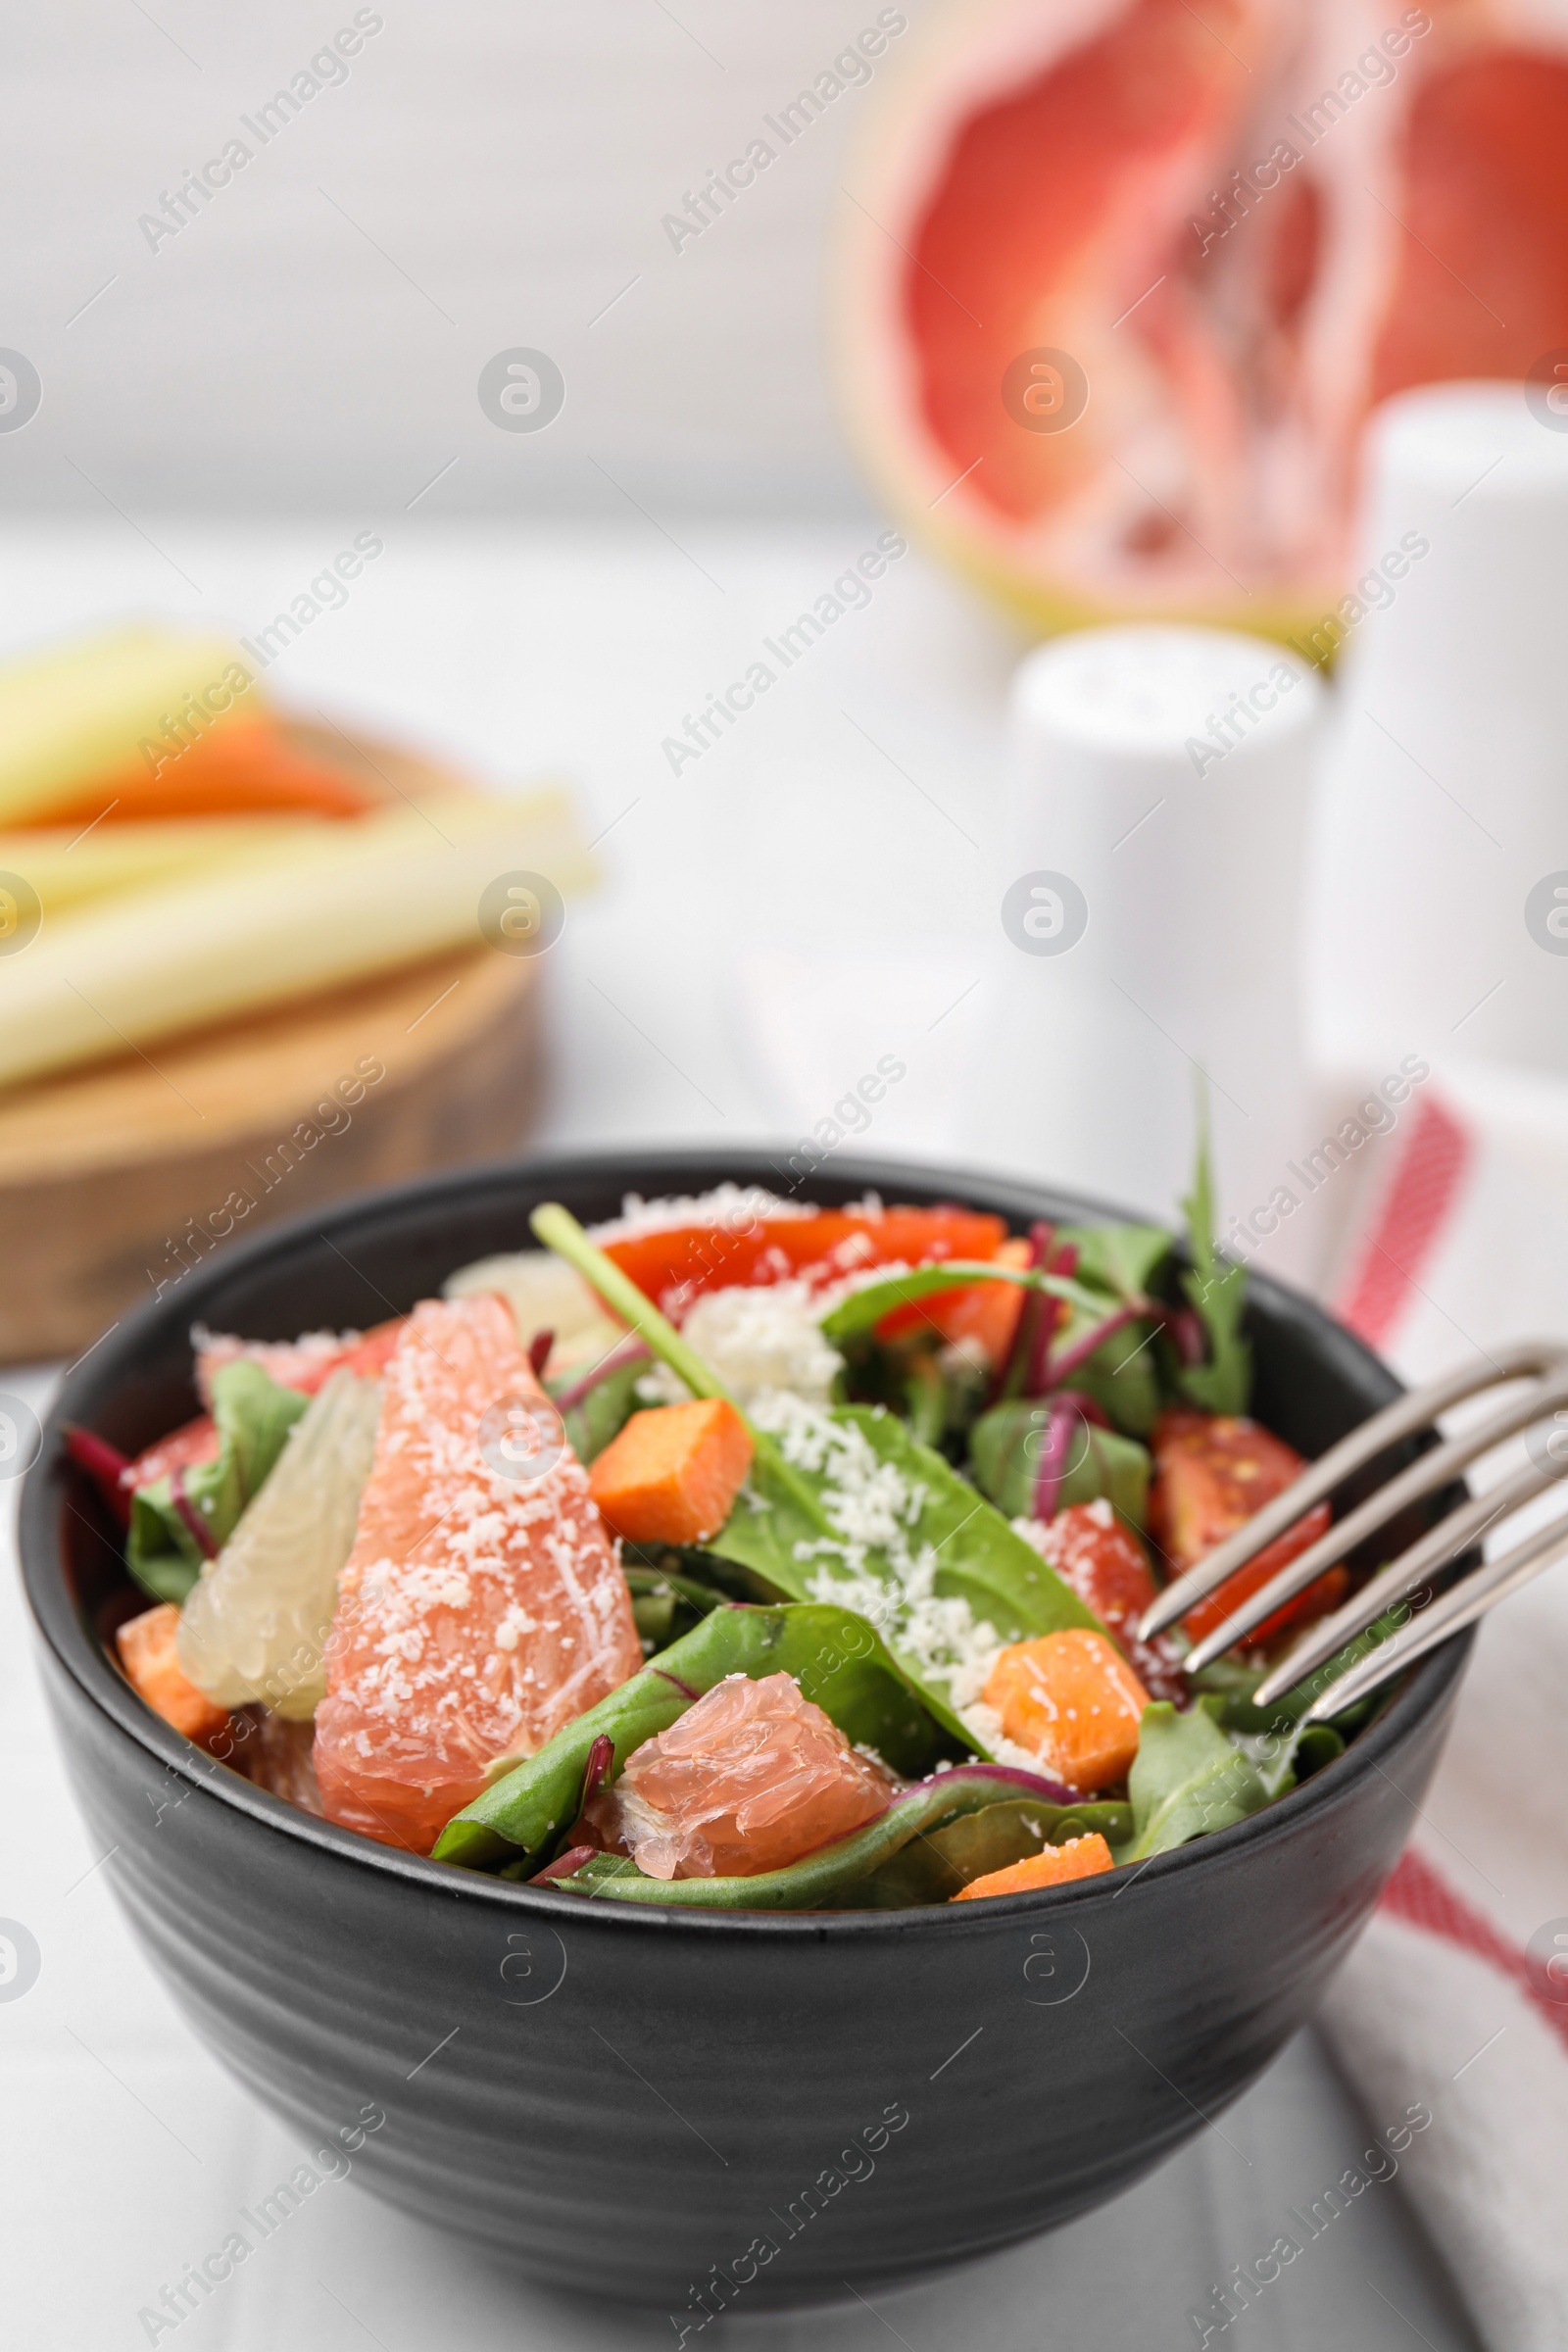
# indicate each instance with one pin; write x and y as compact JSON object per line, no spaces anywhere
{"x":1120,"y":1258}
{"x":1006,"y":1446}
{"x":1188,"y":1778}
{"x":1215,"y":1287}
{"x":834,"y":1655}
{"x":864,"y":1310}
{"x":254,"y":1416}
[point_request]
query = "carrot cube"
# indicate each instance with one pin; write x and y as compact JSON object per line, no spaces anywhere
{"x":152,"y":1665}
{"x":1080,"y":1858}
{"x":673,"y":1473}
{"x":1072,"y":1701}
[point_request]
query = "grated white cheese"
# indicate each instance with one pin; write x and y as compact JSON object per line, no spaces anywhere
{"x":756,"y":1339}
{"x":731,"y":1206}
{"x":871,"y":1505}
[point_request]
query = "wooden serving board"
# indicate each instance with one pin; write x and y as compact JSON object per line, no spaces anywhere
{"x":117,"y":1178}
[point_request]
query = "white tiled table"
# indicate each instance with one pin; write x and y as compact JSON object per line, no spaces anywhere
{"x":850,"y":813}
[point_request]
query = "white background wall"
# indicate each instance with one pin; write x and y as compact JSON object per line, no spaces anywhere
{"x":503,"y":167}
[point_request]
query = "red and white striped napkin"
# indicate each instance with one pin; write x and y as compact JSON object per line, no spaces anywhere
{"x":1457,"y":1994}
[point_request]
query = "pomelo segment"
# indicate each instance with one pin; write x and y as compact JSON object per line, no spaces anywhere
{"x":1121,"y":279}
{"x":749,"y":1779}
{"x":478,"y":1612}
{"x":254,"y":1628}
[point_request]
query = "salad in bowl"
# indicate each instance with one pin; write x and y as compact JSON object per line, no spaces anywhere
{"x":737,"y":1554}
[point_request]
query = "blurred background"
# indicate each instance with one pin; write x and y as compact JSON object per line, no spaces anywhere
{"x":633,"y":457}
{"x":621,"y":344}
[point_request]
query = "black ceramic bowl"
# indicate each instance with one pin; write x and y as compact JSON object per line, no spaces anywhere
{"x":677,"y":2108}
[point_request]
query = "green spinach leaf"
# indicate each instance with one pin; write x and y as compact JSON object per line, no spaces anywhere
{"x":1187,"y":1778}
{"x":1006,"y":1447}
{"x":1122,"y":1375}
{"x":254,"y":1416}
{"x":603,"y":1412}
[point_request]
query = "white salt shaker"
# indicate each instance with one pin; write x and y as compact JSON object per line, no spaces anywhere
{"x":1439,"y":861}
{"x":1149,"y":928}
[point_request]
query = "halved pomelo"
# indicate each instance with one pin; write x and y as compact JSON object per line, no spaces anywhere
{"x":482,"y":1606}
{"x":1120,"y":280}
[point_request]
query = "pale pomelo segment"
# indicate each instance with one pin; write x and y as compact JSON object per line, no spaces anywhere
{"x":749,"y":1779}
{"x":1029,"y":179}
{"x":477,"y":1613}
{"x":254,"y":1628}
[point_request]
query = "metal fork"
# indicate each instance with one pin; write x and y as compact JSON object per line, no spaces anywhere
{"x":1543,"y":1365}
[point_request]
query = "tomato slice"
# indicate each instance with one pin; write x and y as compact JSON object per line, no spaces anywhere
{"x":1211,"y":1473}
{"x":677,"y":1264}
{"x":985,"y":1315}
{"x":1104,"y":1562}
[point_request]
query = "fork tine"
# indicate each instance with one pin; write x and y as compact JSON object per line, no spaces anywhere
{"x":1448,"y":1540}
{"x":1466,"y":1602}
{"x":1433,"y":1470}
{"x":1404,"y":1418}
